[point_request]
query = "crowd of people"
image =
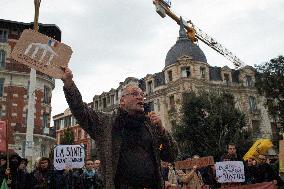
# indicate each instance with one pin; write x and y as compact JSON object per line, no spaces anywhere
{"x":44,"y":176}
{"x":205,"y":177}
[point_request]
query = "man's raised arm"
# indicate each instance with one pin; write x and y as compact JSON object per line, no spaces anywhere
{"x":88,"y":119}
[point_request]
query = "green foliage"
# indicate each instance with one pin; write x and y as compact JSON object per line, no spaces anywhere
{"x":68,"y":137}
{"x":209,"y":123}
{"x":270,"y":84}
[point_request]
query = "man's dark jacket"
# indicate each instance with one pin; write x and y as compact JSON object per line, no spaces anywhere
{"x":106,"y":130}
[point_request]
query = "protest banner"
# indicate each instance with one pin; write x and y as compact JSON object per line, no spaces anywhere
{"x":42,"y":53}
{"x":69,"y":156}
{"x":230,"y":171}
{"x":260,"y":146}
{"x":263,"y":185}
{"x":3,"y":137}
{"x":200,"y":162}
{"x":281,"y":156}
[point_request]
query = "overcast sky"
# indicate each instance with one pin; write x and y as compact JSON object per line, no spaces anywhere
{"x":115,"y":39}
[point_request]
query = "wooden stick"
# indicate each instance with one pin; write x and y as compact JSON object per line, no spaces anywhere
{"x":37,"y":5}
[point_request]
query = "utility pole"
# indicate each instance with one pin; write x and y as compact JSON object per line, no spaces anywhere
{"x":31,"y":102}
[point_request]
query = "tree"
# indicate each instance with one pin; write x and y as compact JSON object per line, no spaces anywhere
{"x":68,"y":137}
{"x":270,"y":84}
{"x":209,"y":122}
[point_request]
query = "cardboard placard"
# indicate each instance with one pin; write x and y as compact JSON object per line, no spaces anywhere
{"x":200,"y":162}
{"x":69,"y":156}
{"x":42,"y":53}
{"x":230,"y":171}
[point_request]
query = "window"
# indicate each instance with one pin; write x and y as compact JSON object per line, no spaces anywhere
{"x":275,"y":131}
{"x":26,"y":119}
{"x":248,"y":81}
{"x":252,"y":104}
{"x":150,"y":87}
{"x":1,"y":86}
{"x":202,"y":72}
{"x":226,"y":78}
{"x":108,"y":99}
{"x":185,"y":72}
{"x":112,"y":100}
{"x":116,"y":95}
{"x":172,"y":102}
{"x":255,"y":127}
{"x":3,"y":36}
{"x":61,"y":123}
{"x":45,"y":120}
{"x":67,"y":121}
{"x":96,"y":105}
{"x":2,"y":58}
{"x":104,"y":103}
{"x":46,"y":98}
{"x":170,"y":75}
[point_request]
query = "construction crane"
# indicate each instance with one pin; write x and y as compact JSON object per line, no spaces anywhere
{"x":194,"y":33}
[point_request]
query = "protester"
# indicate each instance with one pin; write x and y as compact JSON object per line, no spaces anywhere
{"x":22,"y":179}
{"x":3,"y":167}
{"x":165,"y":170}
{"x":172,"y":175}
{"x":90,"y":178}
{"x":44,"y":176}
{"x":97,"y":165}
{"x":131,"y":143}
{"x":250,"y":171}
{"x":231,"y":154}
{"x":265,"y":173}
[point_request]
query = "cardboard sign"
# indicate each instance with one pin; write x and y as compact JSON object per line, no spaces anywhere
{"x":263,"y":185}
{"x":200,"y":162}
{"x":230,"y":171}
{"x":42,"y":53}
{"x":69,"y":156}
{"x":3,"y":136}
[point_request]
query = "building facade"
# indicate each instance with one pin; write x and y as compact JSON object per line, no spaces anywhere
{"x":187,"y":70}
{"x":66,"y":120}
{"x":14,"y":86}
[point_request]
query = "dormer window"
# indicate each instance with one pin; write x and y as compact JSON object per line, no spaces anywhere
{"x":202,"y":72}
{"x":248,"y":81}
{"x":185,"y":72}
{"x":170,"y":75}
{"x":226,"y":78}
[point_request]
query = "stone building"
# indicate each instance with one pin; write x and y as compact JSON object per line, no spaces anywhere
{"x":14,"y":85}
{"x":186,"y":69}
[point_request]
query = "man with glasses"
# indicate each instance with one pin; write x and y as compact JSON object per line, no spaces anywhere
{"x":131,"y":144}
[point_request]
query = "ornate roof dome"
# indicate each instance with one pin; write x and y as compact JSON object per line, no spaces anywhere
{"x":184,"y":47}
